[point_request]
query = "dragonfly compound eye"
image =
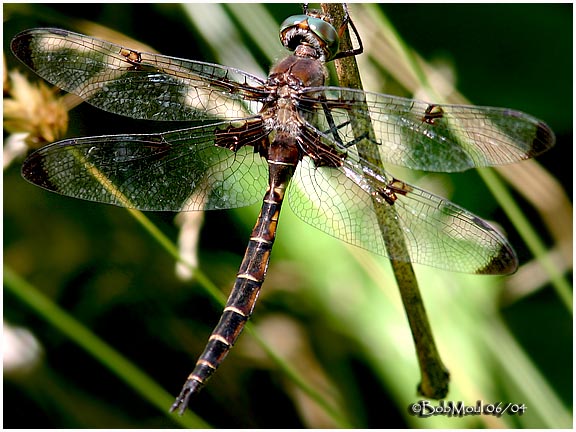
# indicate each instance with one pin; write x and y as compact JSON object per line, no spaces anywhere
{"x":312,"y":31}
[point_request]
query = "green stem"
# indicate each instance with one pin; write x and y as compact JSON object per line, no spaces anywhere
{"x":435,"y":376}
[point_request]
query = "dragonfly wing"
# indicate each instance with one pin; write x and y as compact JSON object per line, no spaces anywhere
{"x":345,"y":203}
{"x":424,"y":136}
{"x":173,"y":171}
{"x":138,"y":84}
{"x":326,"y":199}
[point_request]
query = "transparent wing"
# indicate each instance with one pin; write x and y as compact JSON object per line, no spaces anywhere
{"x":137,"y":84}
{"x":424,"y":136}
{"x":173,"y":171}
{"x":345,"y":202}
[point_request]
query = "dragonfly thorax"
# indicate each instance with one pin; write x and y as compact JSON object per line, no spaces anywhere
{"x":298,"y":73}
{"x":286,"y":81}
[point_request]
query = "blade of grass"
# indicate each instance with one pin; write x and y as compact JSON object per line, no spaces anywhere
{"x":53,"y":314}
{"x":538,"y":395}
{"x":528,"y":234}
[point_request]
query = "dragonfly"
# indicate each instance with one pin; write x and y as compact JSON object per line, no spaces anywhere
{"x":285,"y":135}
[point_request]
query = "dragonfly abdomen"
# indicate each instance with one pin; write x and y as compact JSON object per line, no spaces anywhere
{"x":283,"y":157}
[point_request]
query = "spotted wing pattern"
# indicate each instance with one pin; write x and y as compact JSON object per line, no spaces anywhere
{"x":173,"y":171}
{"x":346,"y":204}
{"x":423,"y":136}
{"x":137,"y":84}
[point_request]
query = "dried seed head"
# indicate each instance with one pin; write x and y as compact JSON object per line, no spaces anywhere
{"x":34,"y":109}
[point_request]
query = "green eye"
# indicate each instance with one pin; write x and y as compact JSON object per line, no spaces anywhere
{"x":292,"y":21}
{"x":323,"y":31}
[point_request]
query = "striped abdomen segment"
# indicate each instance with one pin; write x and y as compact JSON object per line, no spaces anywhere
{"x":244,"y":294}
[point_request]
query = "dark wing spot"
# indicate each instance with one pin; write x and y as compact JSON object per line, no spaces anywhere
{"x":33,"y":170}
{"x":432,"y":113}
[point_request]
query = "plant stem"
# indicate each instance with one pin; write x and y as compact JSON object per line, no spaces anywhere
{"x":434,"y":375}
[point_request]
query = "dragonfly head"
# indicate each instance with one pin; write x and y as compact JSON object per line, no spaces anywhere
{"x":310,"y":36}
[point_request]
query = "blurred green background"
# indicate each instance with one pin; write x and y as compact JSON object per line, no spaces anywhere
{"x":331,"y":311}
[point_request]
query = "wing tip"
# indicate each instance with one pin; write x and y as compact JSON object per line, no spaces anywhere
{"x":543,"y":141}
{"x":505,"y":262}
{"x":20,"y":46}
{"x":33,"y":171}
